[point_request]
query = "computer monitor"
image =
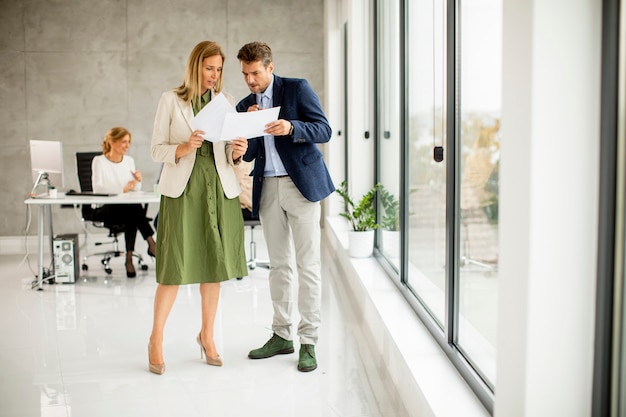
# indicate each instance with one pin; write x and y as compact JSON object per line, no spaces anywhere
{"x":46,"y":161}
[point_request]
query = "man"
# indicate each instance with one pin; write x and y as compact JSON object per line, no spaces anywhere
{"x":289,"y":181}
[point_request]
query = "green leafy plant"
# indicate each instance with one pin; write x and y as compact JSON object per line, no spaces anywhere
{"x":390,"y":216}
{"x":361,"y":215}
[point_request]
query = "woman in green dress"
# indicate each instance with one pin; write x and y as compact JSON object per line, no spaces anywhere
{"x":200,"y":229}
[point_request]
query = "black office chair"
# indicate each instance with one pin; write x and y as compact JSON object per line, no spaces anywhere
{"x":252,"y":222}
{"x":90,"y":214}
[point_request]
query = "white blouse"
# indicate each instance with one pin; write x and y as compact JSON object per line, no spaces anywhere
{"x":112,"y":177}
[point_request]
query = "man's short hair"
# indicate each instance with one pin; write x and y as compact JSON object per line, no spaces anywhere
{"x":255,"y":51}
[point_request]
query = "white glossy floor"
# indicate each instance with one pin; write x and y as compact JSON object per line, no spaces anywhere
{"x":80,"y":350}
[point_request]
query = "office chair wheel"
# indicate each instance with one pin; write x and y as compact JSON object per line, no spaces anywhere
{"x":84,"y":267}
{"x":108,"y":271}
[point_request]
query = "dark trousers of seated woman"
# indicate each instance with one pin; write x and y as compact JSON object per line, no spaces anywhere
{"x":131,"y":217}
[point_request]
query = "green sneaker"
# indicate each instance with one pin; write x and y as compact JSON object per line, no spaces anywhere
{"x":275,"y":346}
{"x":307,"y":361}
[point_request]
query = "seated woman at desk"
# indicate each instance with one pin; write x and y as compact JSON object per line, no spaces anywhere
{"x":114,"y":172}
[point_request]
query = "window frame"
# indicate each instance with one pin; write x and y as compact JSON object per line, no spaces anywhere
{"x":448,"y":336}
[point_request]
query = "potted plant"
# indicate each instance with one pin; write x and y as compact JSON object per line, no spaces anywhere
{"x":390,"y":216}
{"x":362,"y":218}
{"x":389,"y":222}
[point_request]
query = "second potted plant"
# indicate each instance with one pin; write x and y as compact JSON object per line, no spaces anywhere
{"x":362,"y":218}
{"x":389,"y":222}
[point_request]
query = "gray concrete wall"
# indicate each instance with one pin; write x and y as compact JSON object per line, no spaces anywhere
{"x":71,"y":69}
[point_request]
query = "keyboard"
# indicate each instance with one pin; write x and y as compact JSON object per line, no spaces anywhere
{"x":89,"y":194}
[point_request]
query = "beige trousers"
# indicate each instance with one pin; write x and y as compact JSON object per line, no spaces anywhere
{"x":291,"y":225}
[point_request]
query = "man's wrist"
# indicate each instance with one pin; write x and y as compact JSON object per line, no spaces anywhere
{"x":290,"y":131}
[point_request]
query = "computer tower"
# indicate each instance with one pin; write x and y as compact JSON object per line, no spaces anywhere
{"x":66,"y":259}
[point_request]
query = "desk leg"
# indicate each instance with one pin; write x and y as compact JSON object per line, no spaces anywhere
{"x":51,"y":235}
{"x":42,"y":210}
{"x":45,"y":209}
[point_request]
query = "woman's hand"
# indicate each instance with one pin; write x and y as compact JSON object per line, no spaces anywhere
{"x":195,"y":141}
{"x":239,"y":146}
{"x":130,"y":186}
{"x":137,"y":175}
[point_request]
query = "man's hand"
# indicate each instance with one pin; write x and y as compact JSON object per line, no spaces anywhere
{"x":279,"y":127}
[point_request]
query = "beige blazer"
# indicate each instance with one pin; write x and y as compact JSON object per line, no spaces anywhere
{"x":245,"y":182}
{"x":172,"y":126}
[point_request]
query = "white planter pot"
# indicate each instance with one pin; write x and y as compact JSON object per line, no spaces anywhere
{"x":361,"y":244}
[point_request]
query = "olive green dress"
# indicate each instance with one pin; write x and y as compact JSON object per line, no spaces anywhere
{"x":200,"y":234}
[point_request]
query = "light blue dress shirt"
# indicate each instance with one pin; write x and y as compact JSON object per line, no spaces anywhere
{"x":273,"y":164}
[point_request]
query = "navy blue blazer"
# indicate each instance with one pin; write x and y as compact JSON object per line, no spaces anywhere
{"x":300,"y":155}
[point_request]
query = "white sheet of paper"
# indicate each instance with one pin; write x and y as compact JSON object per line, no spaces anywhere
{"x":248,"y":124}
{"x":211,"y":118}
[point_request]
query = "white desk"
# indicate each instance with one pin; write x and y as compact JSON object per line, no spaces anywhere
{"x":45,"y":208}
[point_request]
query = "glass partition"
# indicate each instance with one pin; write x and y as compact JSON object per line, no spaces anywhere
{"x":426,"y":178}
{"x":438,"y":139}
{"x":388,"y":132}
{"x":480,"y":71}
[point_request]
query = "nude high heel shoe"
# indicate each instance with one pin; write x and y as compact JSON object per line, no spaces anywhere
{"x":155,"y":369}
{"x":211,"y":361}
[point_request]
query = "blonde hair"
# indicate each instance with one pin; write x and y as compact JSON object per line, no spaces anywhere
{"x":113,"y":135}
{"x":191,"y":88}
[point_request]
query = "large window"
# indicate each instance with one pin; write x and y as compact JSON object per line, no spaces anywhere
{"x":426,"y":127}
{"x":388,"y":130}
{"x":438,"y":118}
{"x":478,"y":127}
